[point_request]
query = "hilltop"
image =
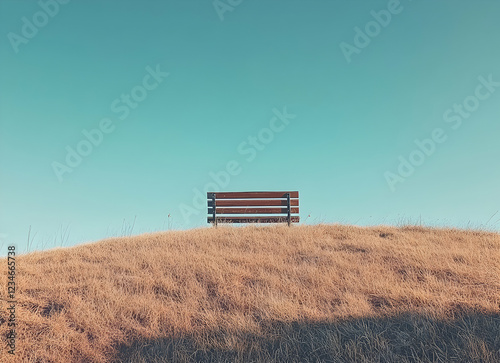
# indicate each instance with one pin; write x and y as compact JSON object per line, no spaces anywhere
{"x":262,"y":293}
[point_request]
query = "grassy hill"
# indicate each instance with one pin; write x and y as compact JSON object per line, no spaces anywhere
{"x":307,"y":293}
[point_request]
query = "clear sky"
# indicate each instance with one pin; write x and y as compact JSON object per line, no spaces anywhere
{"x":378,"y":112}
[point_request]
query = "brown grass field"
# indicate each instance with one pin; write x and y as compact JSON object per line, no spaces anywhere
{"x":324,"y":293}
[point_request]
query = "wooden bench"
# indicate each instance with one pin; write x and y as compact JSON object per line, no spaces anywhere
{"x":252,"y":207}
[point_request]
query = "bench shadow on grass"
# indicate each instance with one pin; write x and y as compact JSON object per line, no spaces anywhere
{"x":409,"y":337}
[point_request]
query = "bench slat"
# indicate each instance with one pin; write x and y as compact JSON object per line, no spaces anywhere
{"x":253,"y":219}
{"x":254,"y":203}
{"x":253,"y":210}
{"x":247,"y":195}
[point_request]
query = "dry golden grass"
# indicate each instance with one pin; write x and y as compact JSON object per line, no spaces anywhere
{"x":270,"y":293}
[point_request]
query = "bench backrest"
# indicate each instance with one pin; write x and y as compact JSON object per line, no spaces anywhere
{"x":251,"y":207}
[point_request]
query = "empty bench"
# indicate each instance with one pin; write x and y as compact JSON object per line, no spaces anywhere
{"x":253,"y":207}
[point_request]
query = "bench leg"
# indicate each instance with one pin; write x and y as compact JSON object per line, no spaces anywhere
{"x":288,"y":209}
{"x":214,"y":213}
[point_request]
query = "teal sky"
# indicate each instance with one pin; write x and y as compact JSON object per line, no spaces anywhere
{"x":351,"y":116}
